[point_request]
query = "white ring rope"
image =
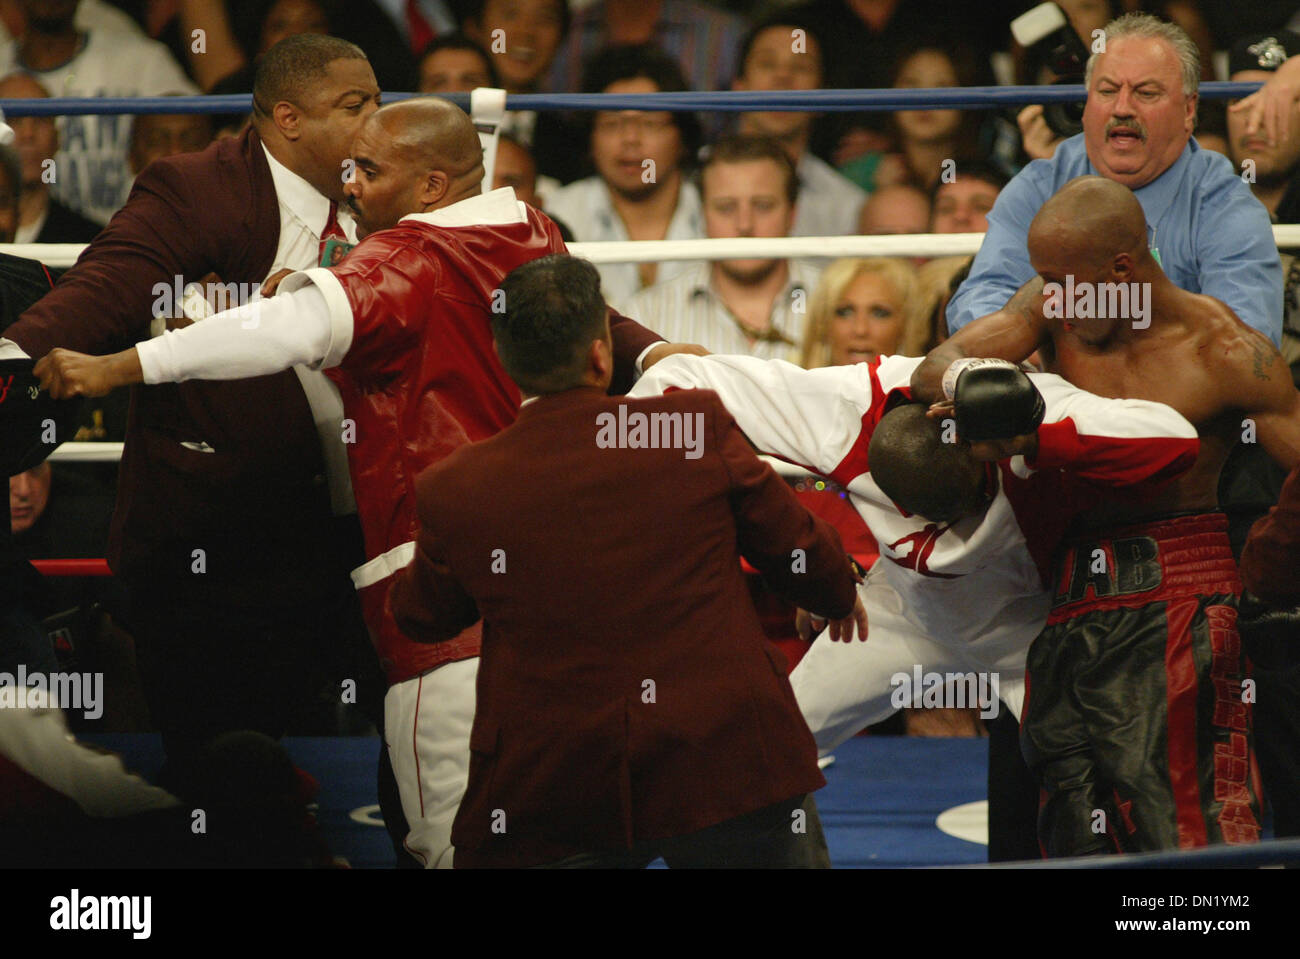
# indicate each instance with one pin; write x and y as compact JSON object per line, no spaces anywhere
{"x":757,"y":248}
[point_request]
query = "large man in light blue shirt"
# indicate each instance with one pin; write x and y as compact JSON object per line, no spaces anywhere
{"x":1205,"y":226}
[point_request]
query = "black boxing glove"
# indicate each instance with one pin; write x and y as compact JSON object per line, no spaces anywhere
{"x":993,"y":400}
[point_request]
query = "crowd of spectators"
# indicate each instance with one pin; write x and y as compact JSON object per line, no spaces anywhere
{"x":631,"y":174}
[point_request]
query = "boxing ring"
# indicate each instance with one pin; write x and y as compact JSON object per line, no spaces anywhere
{"x":886,"y":803}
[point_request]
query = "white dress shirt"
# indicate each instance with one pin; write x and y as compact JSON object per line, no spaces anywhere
{"x":303,"y":215}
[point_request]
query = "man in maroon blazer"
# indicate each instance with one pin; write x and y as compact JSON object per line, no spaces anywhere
{"x":628,"y":705}
{"x":224,"y":530}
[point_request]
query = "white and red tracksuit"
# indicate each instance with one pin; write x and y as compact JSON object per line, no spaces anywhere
{"x":963,"y":597}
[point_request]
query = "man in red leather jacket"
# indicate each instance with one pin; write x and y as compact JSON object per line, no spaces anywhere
{"x":402,"y":327}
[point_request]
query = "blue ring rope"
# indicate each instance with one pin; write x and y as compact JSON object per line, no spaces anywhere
{"x":730,"y":101}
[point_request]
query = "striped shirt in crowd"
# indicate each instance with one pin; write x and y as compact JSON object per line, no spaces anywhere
{"x":686,"y":309}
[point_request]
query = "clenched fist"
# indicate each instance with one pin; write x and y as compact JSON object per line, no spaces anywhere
{"x":67,"y":374}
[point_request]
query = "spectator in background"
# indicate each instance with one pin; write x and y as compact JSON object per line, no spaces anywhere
{"x":640,"y":190}
{"x":456,"y":64}
{"x":962,"y":204}
{"x":864,"y":309}
{"x":158,"y":135}
{"x":927,"y":140}
{"x":895,"y":210}
{"x":782,"y":55}
{"x":862,"y":39}
{"x":753,"y":307}
{"x":1268,"y":164}
{"x":516,"y":168}
{"x":522,"y":37}
{"x":41,"y":218}
{"x":91,"y":168}
{"x":700,"y":38}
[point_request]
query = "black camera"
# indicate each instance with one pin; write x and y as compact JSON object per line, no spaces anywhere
{"x":1048,"y":38}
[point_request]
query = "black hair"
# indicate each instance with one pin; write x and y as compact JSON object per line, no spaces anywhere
{"x":915,"y":468}
{"x":794,"y":21}
{"x":627,"y":62}
{"x":973,"y":169}
{"x":458,"y":41}
{"x":554,"y":309}
{"x":291,"y":67}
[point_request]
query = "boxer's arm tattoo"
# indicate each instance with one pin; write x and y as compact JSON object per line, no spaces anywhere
{"x":1265,"y":356}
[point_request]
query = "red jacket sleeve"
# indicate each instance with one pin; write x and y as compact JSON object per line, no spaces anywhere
{"x":1270,"y":561}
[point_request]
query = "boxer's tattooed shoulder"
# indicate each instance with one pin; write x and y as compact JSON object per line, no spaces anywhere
{"x":1263,"y":356}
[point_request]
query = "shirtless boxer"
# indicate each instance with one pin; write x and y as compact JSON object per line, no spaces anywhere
{"x":1137,"y":709}
{"x":402,"y":327}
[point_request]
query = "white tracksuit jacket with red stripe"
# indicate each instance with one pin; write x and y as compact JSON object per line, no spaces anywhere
{"x":971,"y":594}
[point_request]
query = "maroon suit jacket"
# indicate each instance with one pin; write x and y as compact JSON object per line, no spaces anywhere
{"x":1270,"y":561}
{"x":258,"y":503}
{"x":625,"y":691}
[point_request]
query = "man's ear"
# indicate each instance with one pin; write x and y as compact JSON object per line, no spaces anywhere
{"x":601,"y":358}
{"x":287,"y":119}
{"x":436,"y":185}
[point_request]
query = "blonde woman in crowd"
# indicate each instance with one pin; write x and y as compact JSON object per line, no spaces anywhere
{"x":863,"y":309}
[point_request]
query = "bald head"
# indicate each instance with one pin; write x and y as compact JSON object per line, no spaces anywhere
{"x":1089,"y":222}
{"x":433,"y":131}
{"x":413,"y":157}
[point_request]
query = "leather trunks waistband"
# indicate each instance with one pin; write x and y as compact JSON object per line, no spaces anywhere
{"x":1132,"y":566}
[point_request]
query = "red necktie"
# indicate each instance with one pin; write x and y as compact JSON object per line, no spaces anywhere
{"x":332,"y":231}
{"x":421,"y":33}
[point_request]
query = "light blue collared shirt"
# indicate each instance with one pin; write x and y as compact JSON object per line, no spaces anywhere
{"x":1213,"y":236}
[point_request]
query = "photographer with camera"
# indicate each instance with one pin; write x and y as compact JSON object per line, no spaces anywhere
{"x":1205,"y":227}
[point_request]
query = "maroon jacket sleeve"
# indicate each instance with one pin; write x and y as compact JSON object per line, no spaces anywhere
{"x":799,"y":555}
{"x":630,"y":341}
{"x":427,"y":601}
{"x":105,"y":303}
{"x":1270,"y":561}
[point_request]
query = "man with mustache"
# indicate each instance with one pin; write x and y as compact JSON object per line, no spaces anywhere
{"x":403,"y":327}
{"x":1204,"y":226}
